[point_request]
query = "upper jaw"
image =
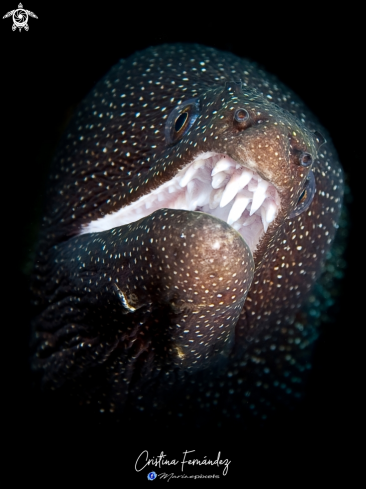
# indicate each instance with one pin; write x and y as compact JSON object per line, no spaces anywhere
{"x":213,"y":183}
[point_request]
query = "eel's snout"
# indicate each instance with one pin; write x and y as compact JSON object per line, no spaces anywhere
{"x":198,"y":272}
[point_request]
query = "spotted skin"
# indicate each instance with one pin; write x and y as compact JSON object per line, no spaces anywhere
{"x":175,"y":309}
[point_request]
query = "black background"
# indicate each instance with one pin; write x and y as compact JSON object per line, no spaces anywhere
{"x":45,"y":72}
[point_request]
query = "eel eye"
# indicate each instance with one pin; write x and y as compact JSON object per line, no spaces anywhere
{"x":180,"y":120}
{"x":306,"y":196}
{"x":306,"y":159}
{"x":241,"y":115}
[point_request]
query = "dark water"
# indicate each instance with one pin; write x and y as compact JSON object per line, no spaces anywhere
{"x":47,"y":71}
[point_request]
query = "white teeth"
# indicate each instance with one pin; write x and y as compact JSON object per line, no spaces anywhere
{"x":258,"y":196}
{"x":187,"y":177}
{"x":222,"y":165}
{"x":218,"y":179}
{"x":214,"y":184}
{"x":190,"y":172}
{"x":264,"y":220}
{"x":245,"y":177}
{"x":241,"y":201}
{"x":270,"y":211}
{"x":215,"y":197}
{"x":238,"y":181}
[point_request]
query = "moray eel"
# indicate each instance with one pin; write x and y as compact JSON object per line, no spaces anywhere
{"x":190,"y":208}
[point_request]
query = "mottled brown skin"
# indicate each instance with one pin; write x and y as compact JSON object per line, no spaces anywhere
{"x":109,"y":157}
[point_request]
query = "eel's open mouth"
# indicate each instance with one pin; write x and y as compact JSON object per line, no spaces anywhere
{"x":215,"y":184}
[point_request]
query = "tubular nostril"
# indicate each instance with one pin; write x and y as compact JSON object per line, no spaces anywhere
{"x":306,"y":159}
{"x":241,"y":115}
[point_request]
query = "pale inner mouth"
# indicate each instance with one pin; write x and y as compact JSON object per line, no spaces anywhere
{"x":215,"y":184}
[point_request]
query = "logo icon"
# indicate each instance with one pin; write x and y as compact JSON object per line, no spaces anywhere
{"x":20,"y":17}
{"x":151,"y":476}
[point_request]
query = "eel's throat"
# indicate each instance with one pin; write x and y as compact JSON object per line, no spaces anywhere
{"x":215,"y":184}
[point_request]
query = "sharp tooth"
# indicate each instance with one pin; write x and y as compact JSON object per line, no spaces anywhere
{"x":241,"y":201}
{"x":172,"y":189}
{"x":215,"y":197}
{"x":258,"y":196}
{"x":222,"y":165}
{"x":245,"y":177}
{"x":264,"y":221}
{"x":236,"y":183}
{"x":187,"y":176}
{"x":191,"y":171}
{"x":271,"y":210}
{"x":218,"y":179}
